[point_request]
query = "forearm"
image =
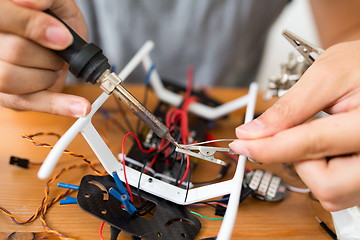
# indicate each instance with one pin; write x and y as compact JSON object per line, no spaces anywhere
{"x":336,"y":21}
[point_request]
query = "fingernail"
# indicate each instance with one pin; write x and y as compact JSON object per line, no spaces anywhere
{"x":59,"y":36}
{"x":240,"y":149}
{"x":253,"y":126}
{"x":78,"y":109}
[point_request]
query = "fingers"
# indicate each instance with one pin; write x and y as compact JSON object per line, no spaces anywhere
{"x":329,"y":136}
{"x":38,"y":4}
{"x":67,"y":10}
{"x":335,"y":183}
{"x":34,"y":25}
{"x":348,"y":102}
{"x":49,"y":102}
{"x":333,"y":75}
{"x":26,"y":53}
{"x":32,"y":79}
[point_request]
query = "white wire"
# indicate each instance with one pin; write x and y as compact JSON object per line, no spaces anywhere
{"x":211,"y":141}
{"x":296,"y":189}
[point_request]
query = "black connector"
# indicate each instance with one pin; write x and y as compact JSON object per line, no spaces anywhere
{"x":220,"y":210}
{"x":21,"y":162}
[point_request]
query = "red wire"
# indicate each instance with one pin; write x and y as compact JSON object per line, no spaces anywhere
{"x":123,"y":157}
{"x":184,"y":117}
{"x":151,"y":163}
{"x":190,"y":77}
{"x":176,"y":115}
{"x":101,"y":230}
{"x":186,"y":171}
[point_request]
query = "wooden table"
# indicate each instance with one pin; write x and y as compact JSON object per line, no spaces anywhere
{"x":22,"y":191}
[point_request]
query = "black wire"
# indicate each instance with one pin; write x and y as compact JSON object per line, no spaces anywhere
{"x":180,"y":169}
{"x":206,"y":203}
{"x":208,"y":182}
{"x":173,"y":160}
{"x":117,"y":123}
{"x":170,"y":153}
{"x":177,"y":139}
{"x":148,"y":210}
{"x":138,"y":186}
{"x":222,"y":173}
{"x":188,"y":184}
{"x":151,"y":207}
{"x":120,"y":126}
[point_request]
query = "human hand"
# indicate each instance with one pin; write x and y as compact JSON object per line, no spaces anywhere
{"x":281,"y":134}
{"x":31,"y":74}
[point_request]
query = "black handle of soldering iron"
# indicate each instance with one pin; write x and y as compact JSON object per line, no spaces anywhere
{"x":86,"y":60}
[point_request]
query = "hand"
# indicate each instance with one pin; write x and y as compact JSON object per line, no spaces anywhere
{"x":281,"y":134}
{"x":31,"y":75}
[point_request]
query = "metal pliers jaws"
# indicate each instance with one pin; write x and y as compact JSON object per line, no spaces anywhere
{"x":308,"y":50}
{"x":204,"y":152}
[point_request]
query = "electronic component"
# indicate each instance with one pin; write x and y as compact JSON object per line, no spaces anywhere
{"x":146,"y":182}
{"x":169,"y":220}
{"x":266,"y":186}
{"x":168,"y":166}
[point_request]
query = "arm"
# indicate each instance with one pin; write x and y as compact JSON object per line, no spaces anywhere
{"x":326,"y":151}
{"x":336,"y":21}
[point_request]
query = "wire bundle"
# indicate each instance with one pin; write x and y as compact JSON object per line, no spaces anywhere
{"x":46,"y":203}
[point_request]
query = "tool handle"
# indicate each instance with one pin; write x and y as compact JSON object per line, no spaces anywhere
{"x":86,"y":60}
{"x":328,"y":230}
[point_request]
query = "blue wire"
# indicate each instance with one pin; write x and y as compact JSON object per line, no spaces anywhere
{"x":113,"y":68}
{"x":68,"y":200}
{"x":68,"y":186}
{"x":147,"y":80}
{"x":105,"y":113}
{"x":222,"y":199}
{"x":210,"y":218}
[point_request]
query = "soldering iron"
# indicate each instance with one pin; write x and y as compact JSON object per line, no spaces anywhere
{"x":87,"y":62}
